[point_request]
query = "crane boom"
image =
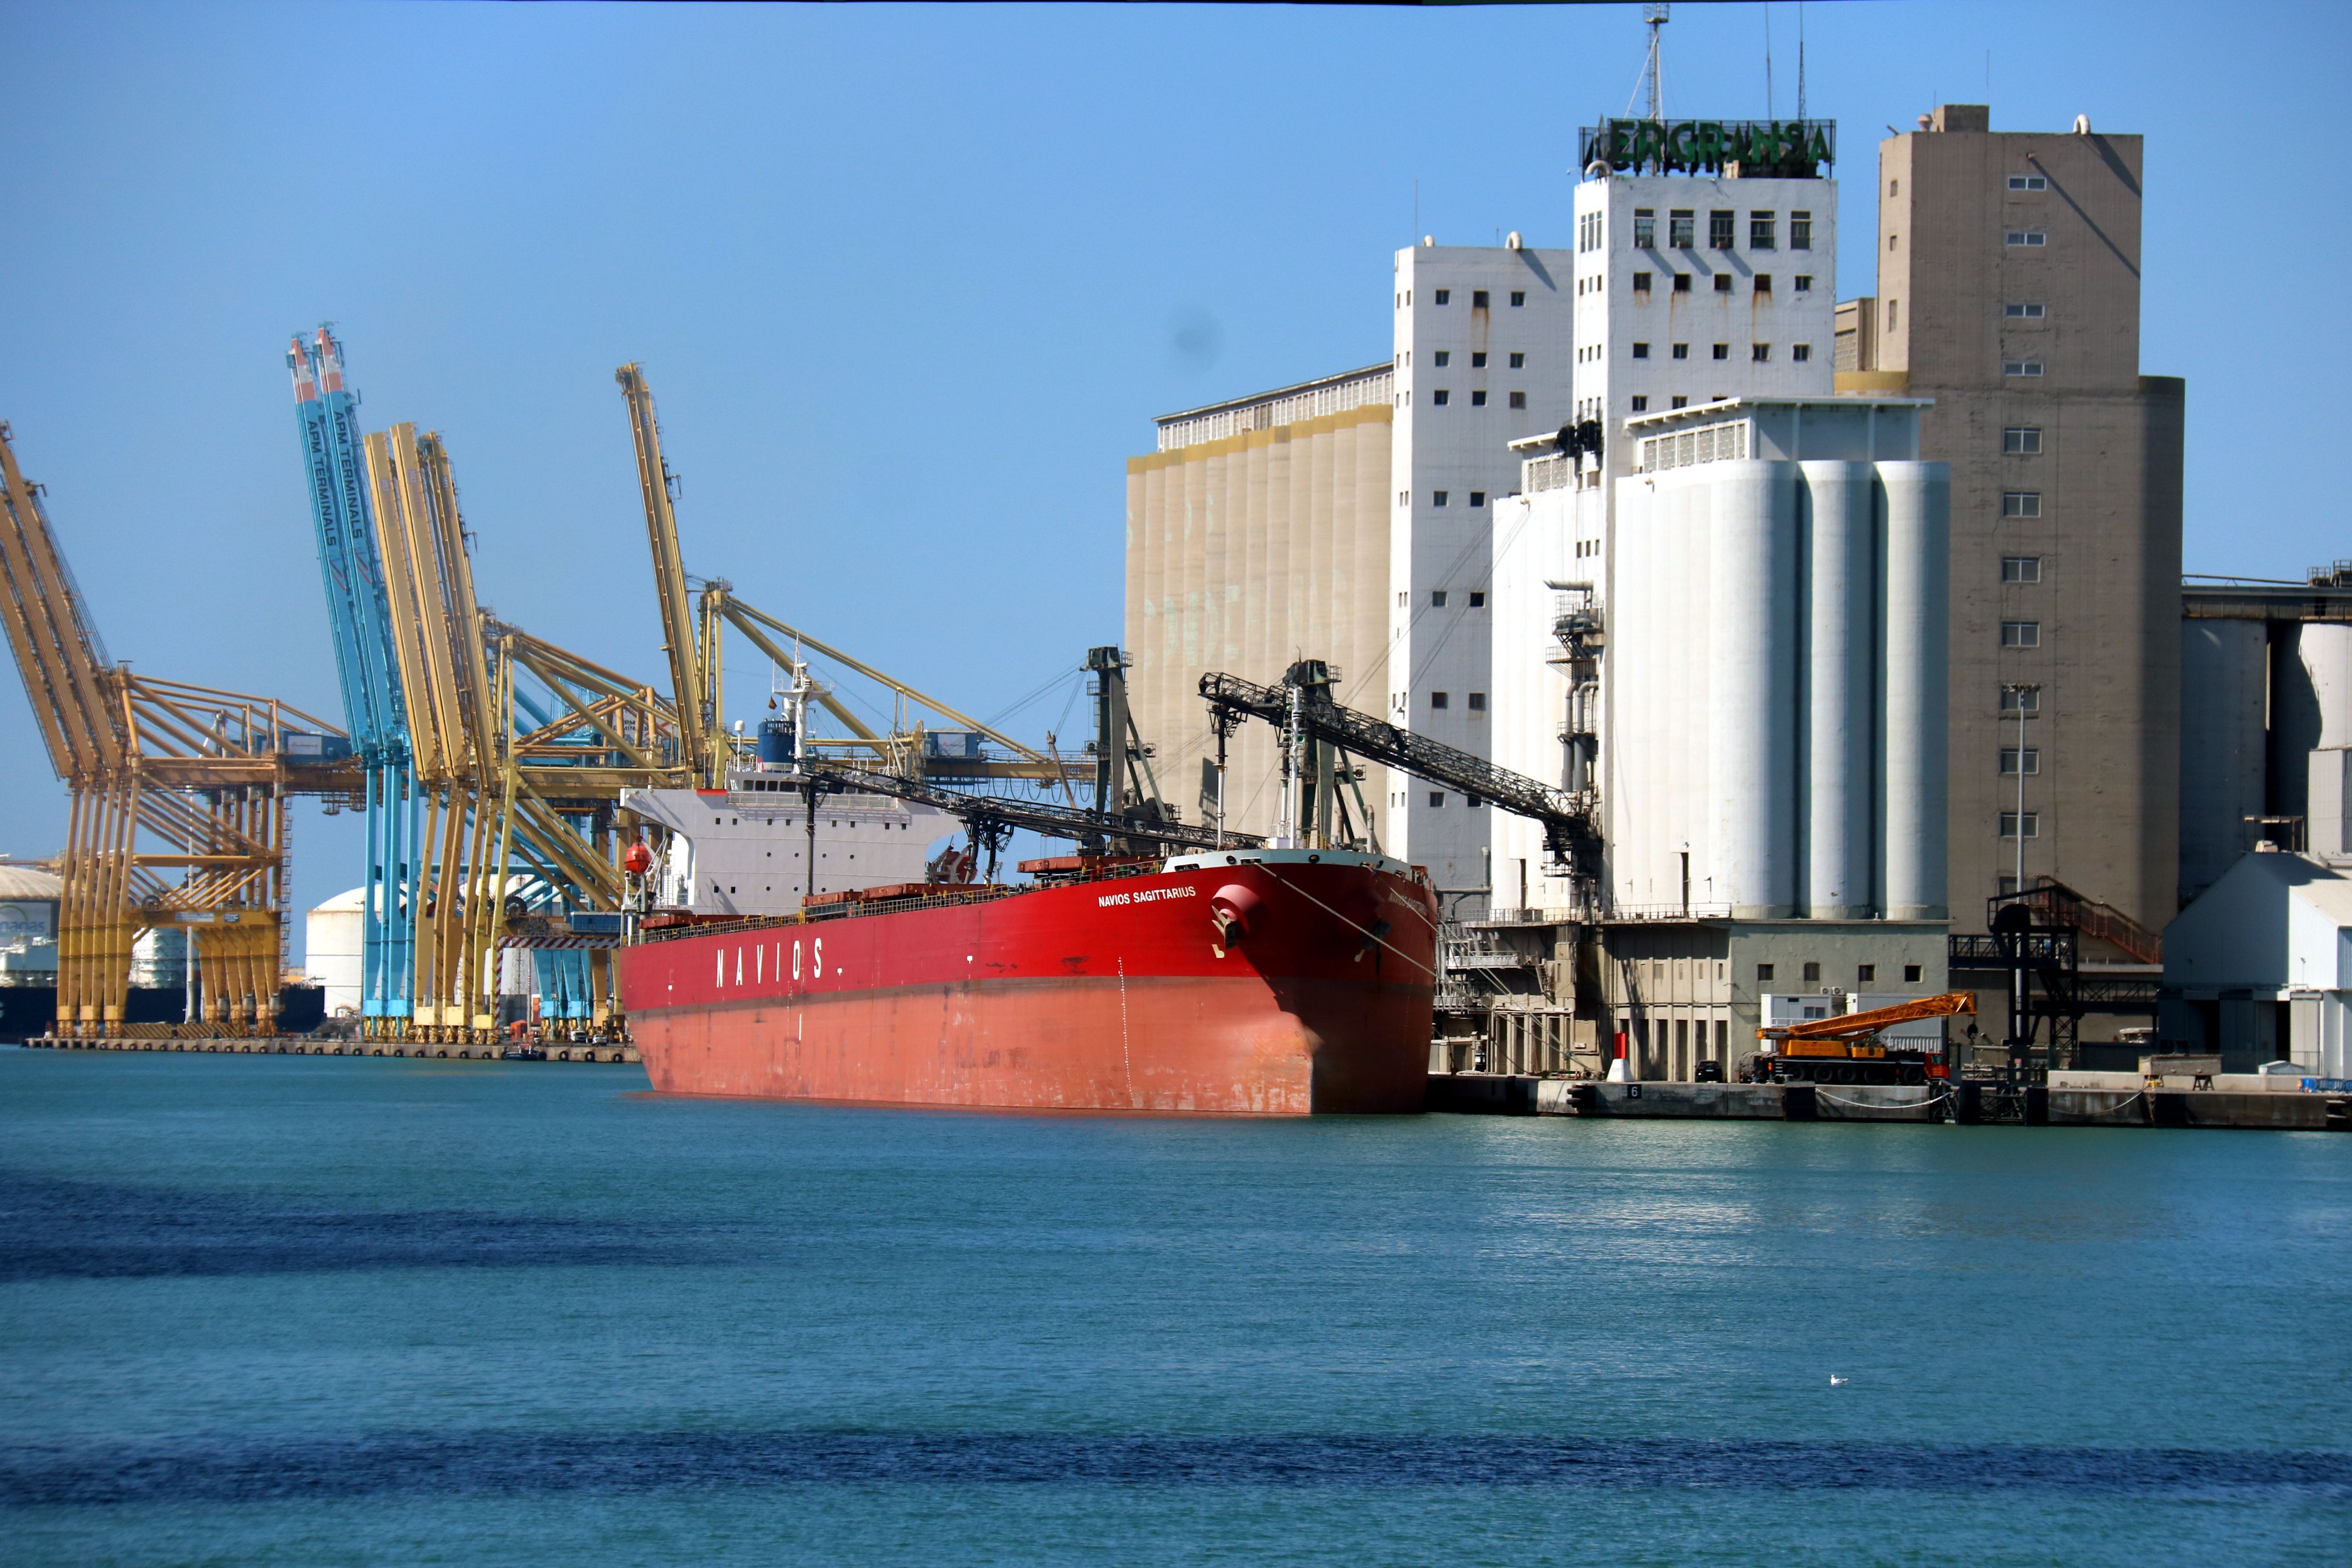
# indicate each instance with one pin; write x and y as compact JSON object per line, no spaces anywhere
{"x":359,"y":620}
{"x":1038,"y":817}
{"x":57,"y":652}
{"x":678,"y":628}
{"x":1855,"y":1025}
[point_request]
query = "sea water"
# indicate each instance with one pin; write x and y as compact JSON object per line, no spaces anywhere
{"x":304,"y":1310}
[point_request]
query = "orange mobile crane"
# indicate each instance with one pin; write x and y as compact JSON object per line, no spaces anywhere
{"x":1849,"y":1047}
{"x":165,"y":778}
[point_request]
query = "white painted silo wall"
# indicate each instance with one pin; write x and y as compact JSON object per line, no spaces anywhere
{"x":1919,"y":498}
{"x":2224,"y":682}
{"x":1840,"y":764}
{"x":2326,"y":651}
{"x":1752,"y":626}
{"x":331,"y":936}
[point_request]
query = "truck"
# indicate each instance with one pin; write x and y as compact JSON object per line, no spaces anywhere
{"x":1854,"y":1047}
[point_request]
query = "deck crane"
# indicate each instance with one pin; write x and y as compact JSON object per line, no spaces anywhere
{"x":1320,"y":737}
{"x":165,"y":778}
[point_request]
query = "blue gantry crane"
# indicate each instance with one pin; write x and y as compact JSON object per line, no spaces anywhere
{"x":367,"y":665}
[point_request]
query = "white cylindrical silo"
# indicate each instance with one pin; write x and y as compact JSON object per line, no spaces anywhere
{"x":1839,"y":766}
{"x":1919,"y":511}
{"x":332,"y":944}
{"x":1697,"y":591}
{"x":2327,"y":650}
{"x":2223,"y":678}
{"x":1752,"y":768}
{"x":1632,"y":803}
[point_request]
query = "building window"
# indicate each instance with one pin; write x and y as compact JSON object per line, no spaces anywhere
{"x":1445,"y":296}
{"x":1681,"y":403}
{"x":2030,"y":821}
{"x":1518,"y":399}
{"x":1890,"y":315}
{"x":1437,"y":498}
{"x":1405,"y":498}
{"x":2028,"y":238}
{"x":1911,"y":974}
{"x":2020,"y":503}
{"x":1477,"y":497}
{"x":1641,"y":351}
{"x":1804,"y":282}
{"x":1679,"y":235}
{"x":2022,"y":440}
{"x":1645,"y":229}
{"x":1444,"y":358}
{"x":1404,"y":598}
{"x":1519,"y":361}
{"x":1890,"y":241}
{"x":1439,"y":396}
{"x":2021,"y":569}
{"x":1641,"y":282}
{"x":1641,"y":405}
{"x":2023,"y":311}
{"x":1723,"y":350}
{"x":1588,"y":232}
{"x":1682,"y":351}
{"x":1437,"y":601}
{"x":2015,"y":702}
{"x":1761,"y":227}
{"x":1812,"y":975}
{"x":1760,"y":353}
{"x":1801,"y":232}
{"x":1477,"y":398}
{"x":1763,"y":283}
{"x":1800,"y":353}
{"x":1478,"y":301}
{"x":1439,"y":699}
{"x":1719,"y":229}
{"x":1763,"y":974}
{"x":1681,"y":282}
{"x":1477,"y":703}
{"x":2021,"y":634}
{"x":1723,"y":282}
{"x":1865,"y":974}
{"x":2020,"y":367}
{"x":1519,"y":297}
{"x":1437,"y":797}
{"x":2008,"y":755}
{"x":2029,"y":181}
{"x":1893,"y":188}
{"x":1478,"y":361}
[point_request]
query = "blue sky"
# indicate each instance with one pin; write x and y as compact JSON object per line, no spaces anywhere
{"x":911,"y":281}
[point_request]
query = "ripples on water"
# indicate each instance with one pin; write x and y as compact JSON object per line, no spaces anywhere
{"x":265,"y":1309}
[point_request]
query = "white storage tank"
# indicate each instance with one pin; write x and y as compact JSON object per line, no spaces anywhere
{"x":332,"y":940}
{"x":2223,"y":701}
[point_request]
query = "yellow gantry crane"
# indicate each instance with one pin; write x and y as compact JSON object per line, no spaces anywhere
{"x":165,"y":777}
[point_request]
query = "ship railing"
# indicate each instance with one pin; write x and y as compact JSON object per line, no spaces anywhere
{"x":948,"y":897}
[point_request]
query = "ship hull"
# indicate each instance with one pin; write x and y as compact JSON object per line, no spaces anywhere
{"x":1105,"y":996}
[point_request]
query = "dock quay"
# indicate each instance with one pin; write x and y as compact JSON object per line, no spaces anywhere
{"x":297,"y":1046}
{"x":2067,"y":1099}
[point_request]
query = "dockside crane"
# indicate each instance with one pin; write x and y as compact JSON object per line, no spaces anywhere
{"x":165,"y":777}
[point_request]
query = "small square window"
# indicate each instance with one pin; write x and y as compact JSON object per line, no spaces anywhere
{"x":2021,"y":569}
{"x":1723,"y":350}
{"x":1641,"y":404}
{"x":1477,"y":497}
{"x":1865,"y":973}
{"x":1519,"y":361}
{"x":1404,"y":598}
{"x":1800,"y":233}
{"x":1437,"y":498}
{"x":1800,"y":351}
{"x":1478,"y":361}
{"x":2009,"y":765}
{"x":2028,"y":238}
{"x":2029,"y":181}
{"x":1445,"y":296}
{"x":1478,"y":299}
{"x":2024,"y":309}
{"x":1439,"y":396}
{"x":1641,"y":351}
{"x":1478,"y":599}
{"x":1478,"y":397}
{"x":1518,"y":400}
{"x":1813,"y":973}
{"x":1763,"y":283}
{"x":2016,"y":701}
{"x":2020,"y":503}
{"x":2021,"y":634}
{"x":1763,"y":974}
{"x":1804,"y":282}
{"x":1760,"y":353}
{"x":2022,"y":440}
{"x":2020,"y":367}
{"x":2024,"y":824}
{"x":1681,"y":403}
{"x":1437,"y":797}
{"x":1723,"y":282}
{"x":1681,"y":282}
{"x":1477,"y":703}
{"x":1682,"y":351}
{"x":1911,"y":974}
{"x":1641,"y":282}
{"x":1442,"y":357}
{"x":1437,"y":601}
{"x":1440,"y":699}
{"x":1519,"y":297}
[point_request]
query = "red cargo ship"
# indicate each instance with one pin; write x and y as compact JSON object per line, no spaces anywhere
{"x":1250,"y":981}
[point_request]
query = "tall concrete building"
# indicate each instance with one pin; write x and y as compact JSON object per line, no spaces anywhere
{"x":2008,"y":293}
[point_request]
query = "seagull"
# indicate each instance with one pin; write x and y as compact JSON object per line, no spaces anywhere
{"x":1836,"y":1381}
